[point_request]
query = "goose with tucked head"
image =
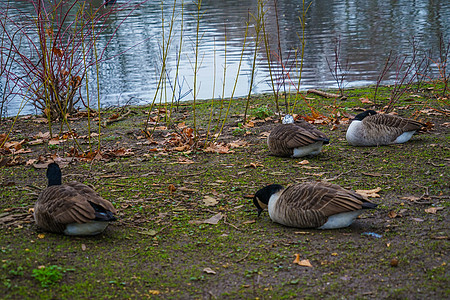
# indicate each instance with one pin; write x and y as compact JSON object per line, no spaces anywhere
{"x":318,"y":205}
{"x":296,"y":139}
{"x":73,"y":208}
{"x":371,"y":129}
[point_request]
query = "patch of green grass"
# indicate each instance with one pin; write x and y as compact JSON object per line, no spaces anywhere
{"x":262,"y":112}
{"x":48,"y":276}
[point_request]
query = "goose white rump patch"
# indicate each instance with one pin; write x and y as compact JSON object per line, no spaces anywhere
{"x":404,"y":137}
{"x":91,"y":228}
{"x":312,"y":149}
{"x":341,"y":220}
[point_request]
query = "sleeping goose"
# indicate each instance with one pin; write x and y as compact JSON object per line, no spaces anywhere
{"x":72,"y":208}
{"x":371,"y":129}
{"x":296,"y":139}
{"x":311,"y":205}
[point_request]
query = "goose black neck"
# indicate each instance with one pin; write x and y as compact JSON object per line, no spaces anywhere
{"x":265,"y":193}
{"x":54,"y":174}
{"x":367,"y":113}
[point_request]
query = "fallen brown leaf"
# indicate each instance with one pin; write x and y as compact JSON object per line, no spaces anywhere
{"x":54,"y":141}
{"x":36,"y":142}
{"x":209,"y":201}
{"x":249,"y":124}
{"x":214,"y":219}
{"x":209,"y":271}
{"x":365,"y":100}
{"x":171,"y":188}
{"x":303,"y":263}
{"x":314,"y":174}
{"x":217,"y":148}
{"x":410,"y":198}
{"x":248,"y":222}
{"x":238,"y":143}
{"x":369,"y":193}
{"x":394,"y":262}
{"x":433,"y":210}
{"x":253,"y":165}
{"x":392,"y":214}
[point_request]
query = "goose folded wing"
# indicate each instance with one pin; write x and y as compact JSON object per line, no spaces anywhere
{"x":384,"y":132}
{"x":75,"y":209}
{"x":299,"y":137}
{"x":395,"y":122}
{"x":92,"y":196}
{"x":329,"y":199}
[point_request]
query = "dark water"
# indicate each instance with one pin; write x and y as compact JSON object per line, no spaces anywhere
{"x":367,"y":31}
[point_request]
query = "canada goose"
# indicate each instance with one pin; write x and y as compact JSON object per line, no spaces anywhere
{"x":371,"y":129}
{"x":72,"y":208}
{"x":311,"y":205}
{"x":296,"y":139}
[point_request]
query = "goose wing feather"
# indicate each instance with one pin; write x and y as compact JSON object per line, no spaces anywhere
{"x":394,"y":122}
{"x":92,"y":196}
{"x":327,"y":198}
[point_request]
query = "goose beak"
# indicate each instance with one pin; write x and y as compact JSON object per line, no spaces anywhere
{"x":260,"y":210}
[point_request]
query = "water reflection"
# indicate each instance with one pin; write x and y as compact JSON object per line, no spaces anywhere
{"x":367,"y":32}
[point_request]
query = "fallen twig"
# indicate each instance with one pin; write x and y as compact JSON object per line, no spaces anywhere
{"x":337,"y":176}
{"x":245,"y":256}
{"x":325,"y":94}
{"x":225,"y":222}
{"x":122,"y":117}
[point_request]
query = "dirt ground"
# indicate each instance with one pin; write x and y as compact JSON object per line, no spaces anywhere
{"x":165,"y":244}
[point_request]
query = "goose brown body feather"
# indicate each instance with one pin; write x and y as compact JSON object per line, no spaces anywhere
{"x":286,"y":137}
{"x":308,"y":205}
{"x":60,"y":205}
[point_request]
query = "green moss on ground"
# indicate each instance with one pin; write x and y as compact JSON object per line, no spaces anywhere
{"x":157,"y":250}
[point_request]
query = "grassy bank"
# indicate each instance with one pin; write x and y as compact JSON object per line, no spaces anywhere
{"x":164,"y":245}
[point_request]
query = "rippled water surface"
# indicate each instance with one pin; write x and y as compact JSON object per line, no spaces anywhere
{"x":367,"y":31}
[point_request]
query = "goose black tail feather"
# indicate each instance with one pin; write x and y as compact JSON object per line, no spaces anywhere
{"x":369,"y":205}
{"x":102,"y":214}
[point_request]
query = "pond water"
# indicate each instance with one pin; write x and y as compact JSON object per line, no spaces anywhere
{"x":365,"y":30}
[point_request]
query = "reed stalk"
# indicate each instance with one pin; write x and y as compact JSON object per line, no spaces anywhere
{"x":178,"y":58}
{"x":235,"y":81}
{"x":265,"y":34}
{"x":211,"y":110}
{"x":162,"y":72}
{"x":258,"y":28}
{"x":198,"y":38}
{"x":302,"y":40}
{"x":222,"y":97}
